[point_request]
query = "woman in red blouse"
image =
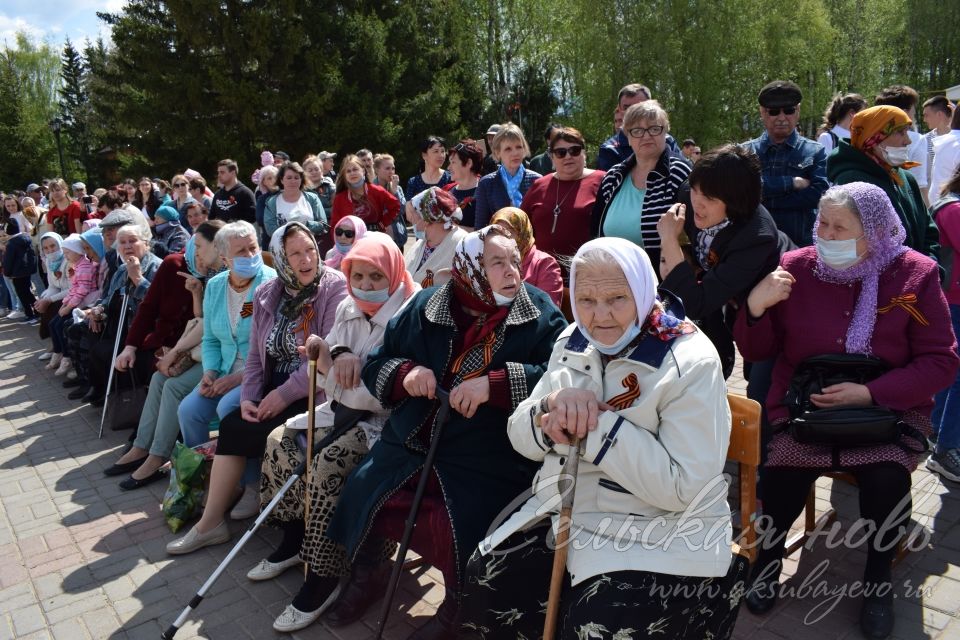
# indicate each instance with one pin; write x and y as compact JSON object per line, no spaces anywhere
{"x":65,"y":215}
{"x":373,"y":204}
{"x":560,"y":204}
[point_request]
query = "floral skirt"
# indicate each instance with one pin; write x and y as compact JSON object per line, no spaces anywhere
{"x":506,"y":597}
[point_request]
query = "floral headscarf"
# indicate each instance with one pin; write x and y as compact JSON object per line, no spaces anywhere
{"x":874,"y":125}
{"x":519,"y":223}
{"x":437,"y":205}
{"x":291,"y":306}
{"x":471,"y":287}
{"x":379,"y":250}
{"x":359,"y":229}
{"x":885,"y":235}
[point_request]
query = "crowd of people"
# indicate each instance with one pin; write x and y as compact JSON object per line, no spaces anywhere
{"x":543,"y":310}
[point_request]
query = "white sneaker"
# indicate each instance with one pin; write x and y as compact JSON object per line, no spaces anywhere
{"x":65,"y":366}
{"x":4,"y":311}
{"x":267,"y":570}
{"x":16,"y":315}
{"x":46,"y":355}
{"x":248,"y":506}
{"x":72,"y":374}
{"x":54,"y":361}
{"x":292,"y":619}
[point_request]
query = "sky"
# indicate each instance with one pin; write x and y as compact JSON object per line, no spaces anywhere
{"x":54,"y":20}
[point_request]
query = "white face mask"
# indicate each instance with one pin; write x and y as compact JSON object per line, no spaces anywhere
{"x":502,"y":300}
{"x":896,"y":156}
{"x":838,"y":254}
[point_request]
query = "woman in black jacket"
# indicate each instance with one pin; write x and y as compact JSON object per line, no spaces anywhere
{"x":19,"y":264}
{"x":734,"y":242}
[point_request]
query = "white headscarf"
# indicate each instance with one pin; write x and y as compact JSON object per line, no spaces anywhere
{"x":636,"y":268}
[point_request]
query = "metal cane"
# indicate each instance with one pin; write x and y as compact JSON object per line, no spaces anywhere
{"x":442,"y":412}
{"x":113,"y":360}
{"x":569,"y":473}
{"x":313,"y":353}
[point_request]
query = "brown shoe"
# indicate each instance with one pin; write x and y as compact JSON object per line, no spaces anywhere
{"x":367,"y":584}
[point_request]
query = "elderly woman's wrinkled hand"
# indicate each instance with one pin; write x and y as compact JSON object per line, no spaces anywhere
{"x":346,"y":370}
{"x":191,"y":284}
{"x":134,"y":271}
{"x":845,"y":394}
{"x":226,"y":383}
{"x":421,"y":383}
{"x":773,"y":289}
{"x":572,"y":414}
{"x":467,"y":396}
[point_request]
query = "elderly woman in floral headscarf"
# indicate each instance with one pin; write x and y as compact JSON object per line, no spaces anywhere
{"x":302,"y":300}
{"x":435,"y":216}
{"x":877,"y":154}
{"x":379,"y":288}
{"x":536,"y":267}
{"x":859,"y":290}
{"x":485,"y":336}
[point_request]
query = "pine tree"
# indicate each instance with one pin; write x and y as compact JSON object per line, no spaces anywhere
{"x":75,"y":108}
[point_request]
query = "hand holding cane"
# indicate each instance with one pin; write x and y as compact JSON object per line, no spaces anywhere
{"x":313,"y":354}
{"x":568,"y":485}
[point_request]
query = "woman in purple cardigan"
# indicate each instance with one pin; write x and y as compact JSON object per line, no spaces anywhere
{"x":859,"y":290}
{"x":301,"y":301}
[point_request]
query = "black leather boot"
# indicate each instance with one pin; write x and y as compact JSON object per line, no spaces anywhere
{"x":763,"y":592}
{"x":367,"y":584}
{"x":876,"y":613}
{"x":444,"y":625}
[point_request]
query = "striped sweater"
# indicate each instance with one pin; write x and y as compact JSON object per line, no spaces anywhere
{"x":662,"y":189}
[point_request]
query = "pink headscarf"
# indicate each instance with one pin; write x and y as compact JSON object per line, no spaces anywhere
{"x":359,"y":228}
{"x":379,"y":250}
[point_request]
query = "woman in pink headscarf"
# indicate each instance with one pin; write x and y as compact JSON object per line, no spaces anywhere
{"x":379,"y":287}
{"x":347,"y":232}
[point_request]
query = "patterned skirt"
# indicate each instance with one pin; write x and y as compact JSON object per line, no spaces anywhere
{"x":506,"y":597}
{"x":328,"y":473}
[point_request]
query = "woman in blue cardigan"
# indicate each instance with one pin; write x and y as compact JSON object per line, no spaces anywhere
{"x":507,"y":185}
{"x":227,"y":316}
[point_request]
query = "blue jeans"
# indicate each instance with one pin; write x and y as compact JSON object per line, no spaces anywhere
{"x":946,"y":408}
{"x":196,"y":412}
{"x":14,"y":300}
{"x":57,"y":337}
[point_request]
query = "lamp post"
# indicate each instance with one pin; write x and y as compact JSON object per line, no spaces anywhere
{"x":56,"y":125}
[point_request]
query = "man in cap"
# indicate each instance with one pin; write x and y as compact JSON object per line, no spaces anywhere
{"x":35,"y":191}
{"x":616,"y":148}
{"x":326,"y":159}
{"x":280,"y":157}
{"x":489,"y":162}
{"x":794,"y":167}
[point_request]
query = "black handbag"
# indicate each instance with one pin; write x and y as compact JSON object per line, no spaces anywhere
{"x":124,"y":405}
{"x":845,"y":426}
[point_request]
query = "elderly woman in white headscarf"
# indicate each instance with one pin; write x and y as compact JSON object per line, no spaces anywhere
{"x":642,"y":392}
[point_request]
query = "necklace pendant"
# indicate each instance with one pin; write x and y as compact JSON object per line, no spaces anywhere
{"x":556,"y":211}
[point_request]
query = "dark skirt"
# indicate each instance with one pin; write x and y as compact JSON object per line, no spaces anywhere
{"x":249,"y":439}
{"x":506,"y":593}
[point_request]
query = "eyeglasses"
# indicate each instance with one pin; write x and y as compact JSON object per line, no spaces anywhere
{"x":346,"y":233}
{"x":179,"y":184}
{"x":639,"y":132}
{"x":774,"y":111}
{"x":561,"y":152}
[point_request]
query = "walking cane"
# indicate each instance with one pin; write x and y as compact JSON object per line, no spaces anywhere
{"x":442,"y":412}
{"x":113,"y":360}
{"x":329,"y":439}
{"x":569,"y":474}
{"x":313,"y":354}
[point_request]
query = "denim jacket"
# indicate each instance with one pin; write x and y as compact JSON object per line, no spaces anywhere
{"x":794,"y":210}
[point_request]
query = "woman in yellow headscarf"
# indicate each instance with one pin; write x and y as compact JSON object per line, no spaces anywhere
{"x":877,"y":154}
{"x":536,"y":267}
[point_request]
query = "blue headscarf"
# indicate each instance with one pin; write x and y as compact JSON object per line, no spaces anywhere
{"x":190,"y":254}
{"x":94,"y":238}
{"x":54,"y":260}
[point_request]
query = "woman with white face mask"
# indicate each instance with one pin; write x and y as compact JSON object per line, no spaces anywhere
{"x":878,"y":154}
{"x":859,"y":290}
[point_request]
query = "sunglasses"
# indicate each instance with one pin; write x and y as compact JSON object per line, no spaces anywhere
{"x":346,"y":233}
{"x":773,"y":111}
{"x":179,"y":184}
{"x":562,"y":152}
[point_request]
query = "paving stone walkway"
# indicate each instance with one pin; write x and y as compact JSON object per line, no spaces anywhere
{"x":80,"y":558}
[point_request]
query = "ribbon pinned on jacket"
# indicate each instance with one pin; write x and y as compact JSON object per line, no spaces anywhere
{"x":908,"y":303}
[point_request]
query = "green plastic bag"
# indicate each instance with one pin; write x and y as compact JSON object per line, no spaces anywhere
{"x":184,"y":495}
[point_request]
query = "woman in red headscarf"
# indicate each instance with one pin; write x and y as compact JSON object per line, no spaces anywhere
{"x":379,"y":287}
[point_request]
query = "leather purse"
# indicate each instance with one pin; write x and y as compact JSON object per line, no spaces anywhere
{"x":844,"y":426}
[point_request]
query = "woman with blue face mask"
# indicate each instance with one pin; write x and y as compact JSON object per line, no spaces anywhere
{"x":485,"y":336}
{"x":348,"y":231}
{"x":284,"y":311}
{"x":859,"y":290}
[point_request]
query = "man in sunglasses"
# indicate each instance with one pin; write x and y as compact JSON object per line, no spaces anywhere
{"x":794,"y":167}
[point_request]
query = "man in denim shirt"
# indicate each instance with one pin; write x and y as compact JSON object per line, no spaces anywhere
{"x":794,"y":167}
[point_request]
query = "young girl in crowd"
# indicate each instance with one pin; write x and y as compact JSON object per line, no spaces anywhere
{"x":83,"y":292}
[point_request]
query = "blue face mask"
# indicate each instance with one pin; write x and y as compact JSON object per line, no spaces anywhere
{"x":613,"y":349}
{"x":418,"y":234}
{"x":357,"y":184}
{"x":376,"y":296}
{"x":163,"y":226}
{"x":343,"y":248}
{"x":245,"y":267}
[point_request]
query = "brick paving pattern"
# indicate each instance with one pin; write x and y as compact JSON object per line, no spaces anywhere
{"x":80,"y":558}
